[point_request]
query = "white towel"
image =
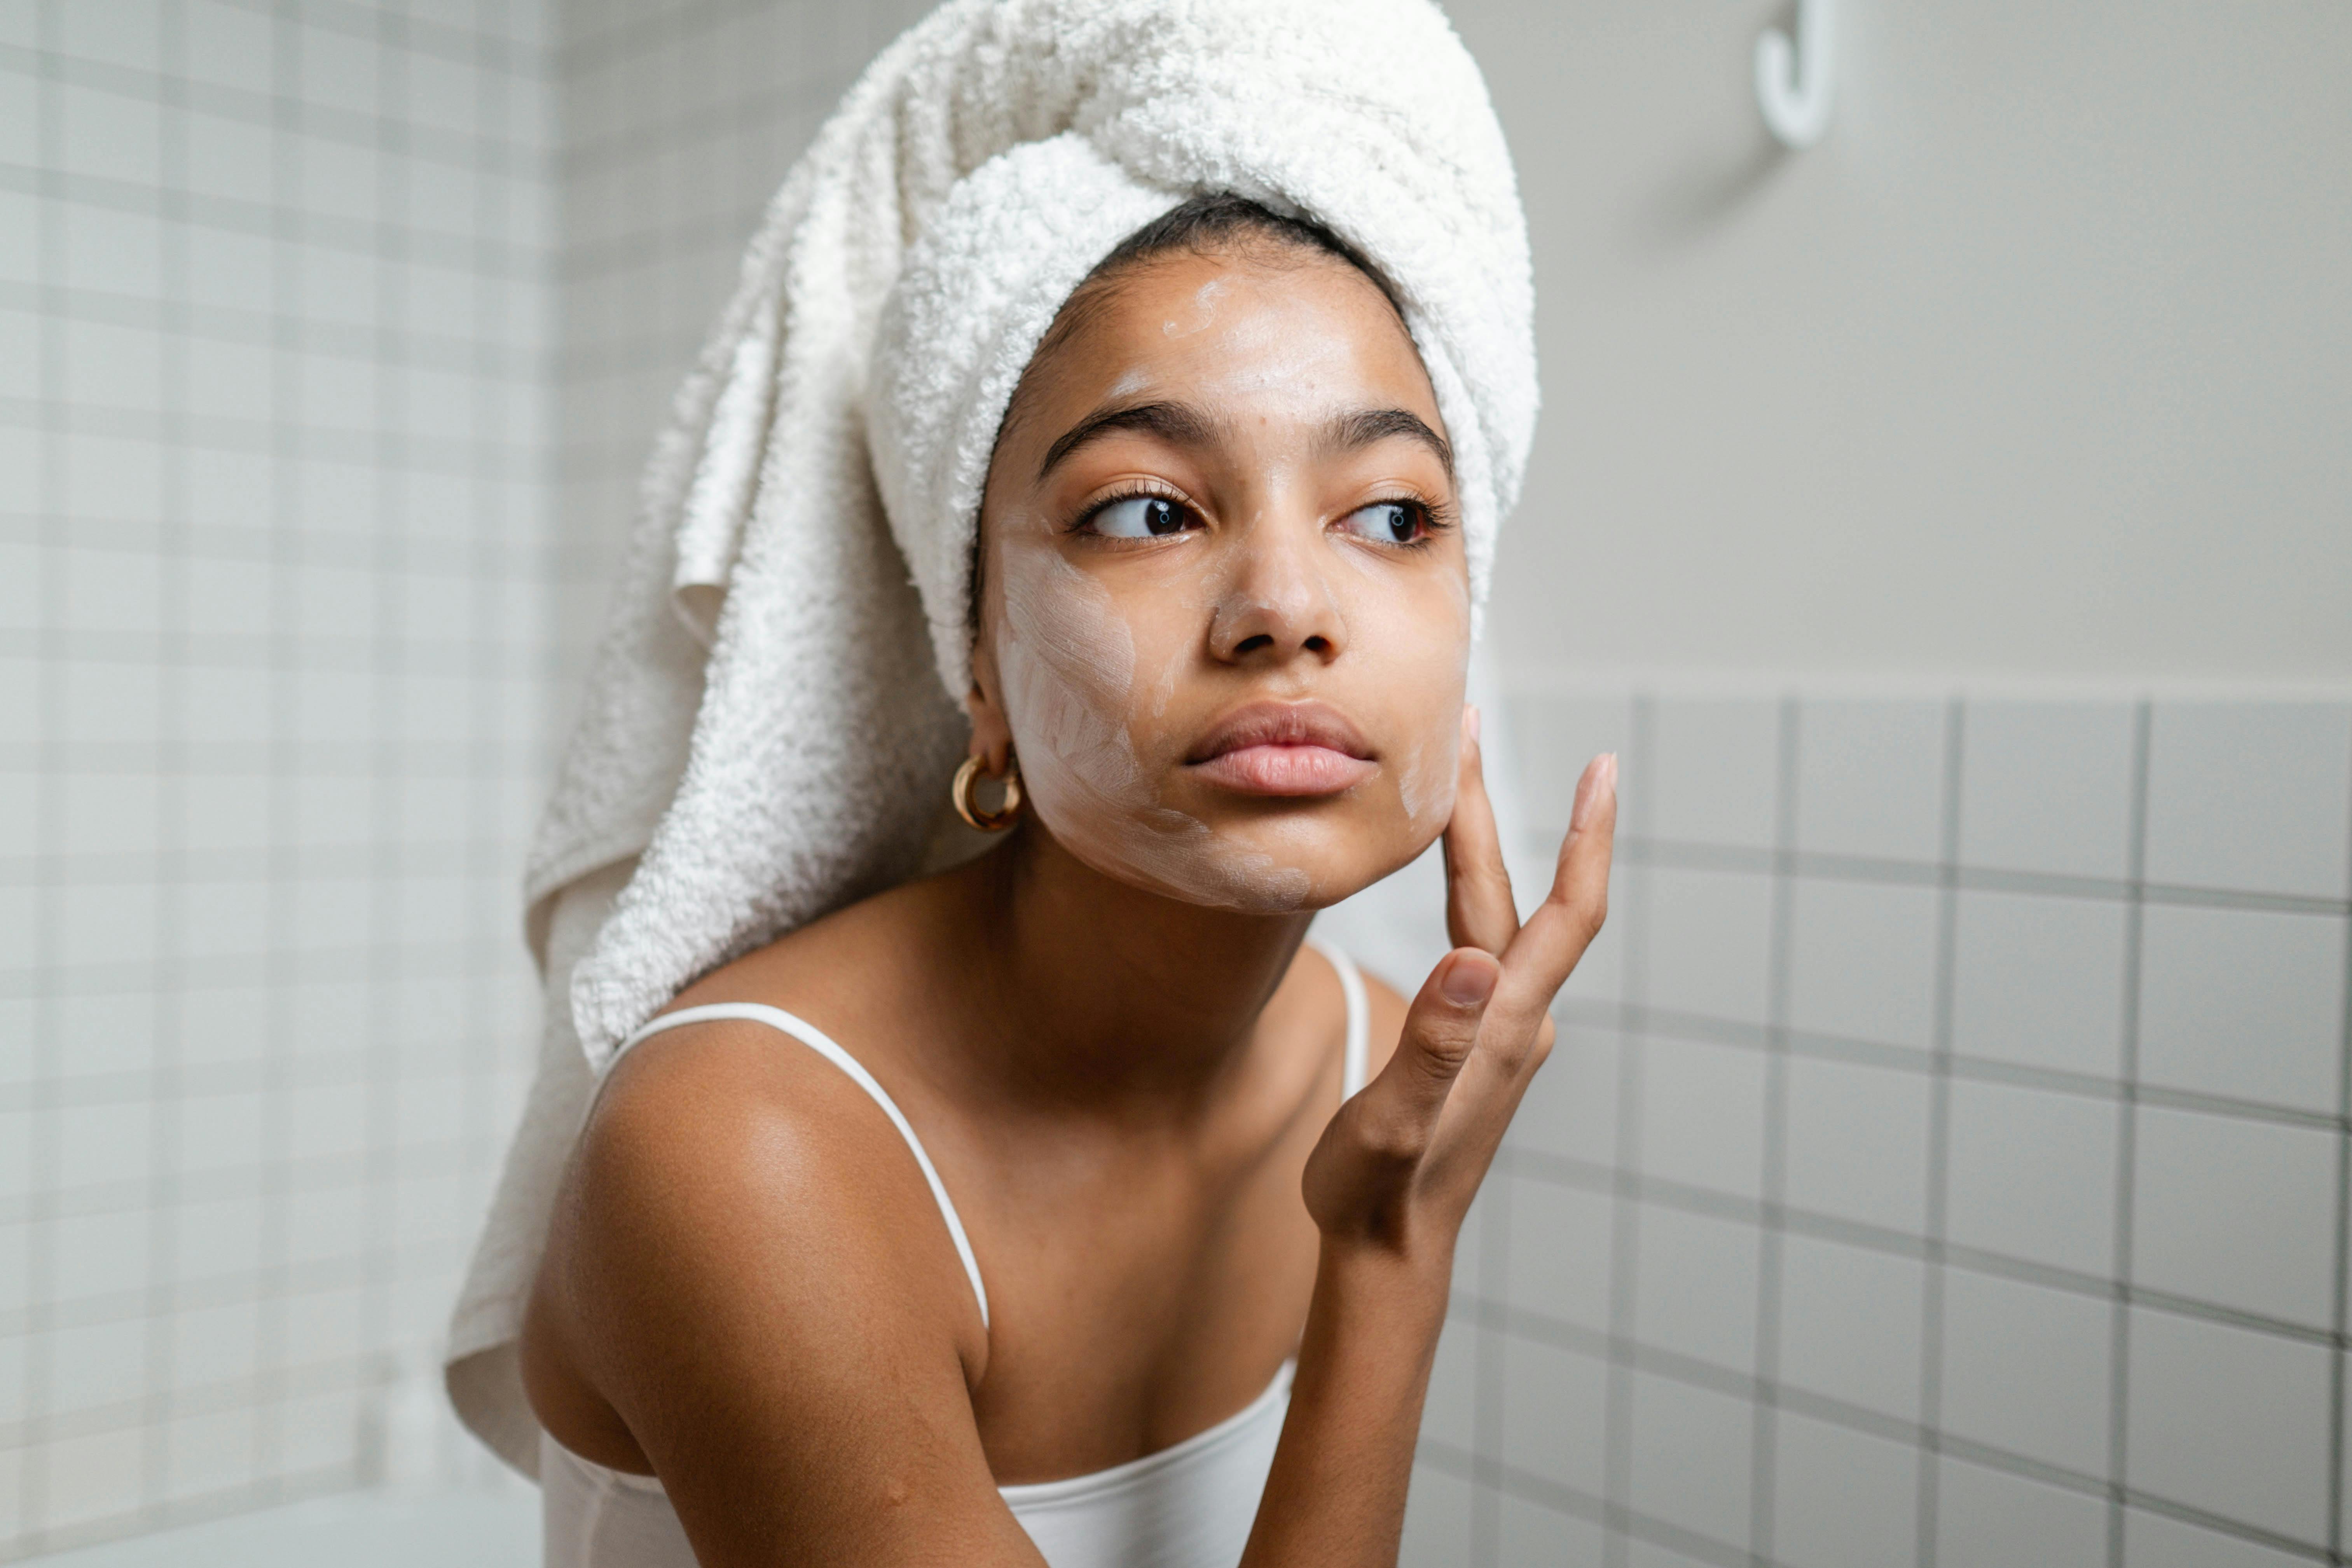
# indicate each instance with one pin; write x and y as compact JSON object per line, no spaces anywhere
{"x":775,"y":710}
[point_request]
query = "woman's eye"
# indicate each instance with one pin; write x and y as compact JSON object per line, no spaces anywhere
{"x":1138,"y":517}
{"x":1388,"y":521}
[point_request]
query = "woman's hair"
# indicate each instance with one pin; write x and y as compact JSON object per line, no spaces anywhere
{"x":1213,"y":223}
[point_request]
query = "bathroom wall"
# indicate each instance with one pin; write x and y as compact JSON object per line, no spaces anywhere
{"x":679,"y":117}
{"x":1944,"y":1161}
{"x":275,"y":352}
{"x":2033,"y":365}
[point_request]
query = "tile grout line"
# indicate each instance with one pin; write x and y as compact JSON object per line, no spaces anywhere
{"x":1568,"y":1500}
{"x":1829,"y":866}
{"x":1625,"y":1155}
{"x":1562,"y":1170}
{"x":2127,"y":1145}
{"x":266,"y":8}
{"x":283,"y":970}
{"x":162,"y":1285}
{"x":239,"y":215}
{"x":1772,"y":1176}
{"x":1741,"y":1035}
{"x":203,"y":1509}
{"x":1929,"y":1482}
{"x":388,"y":808}
{"x":47,"y":892}
{"x":2341,"y":1305}
{"x":1488,"y":1389}
{"x":491,"y":218}
{"x":318,"y":121}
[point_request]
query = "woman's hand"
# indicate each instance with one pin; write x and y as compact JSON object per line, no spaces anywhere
{"x":1399,"y":1164}
{"x":1397,"y":1168}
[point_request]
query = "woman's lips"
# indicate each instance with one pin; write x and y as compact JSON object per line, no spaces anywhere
{"x":1283,"y":747}
{"x":1285,"y":770}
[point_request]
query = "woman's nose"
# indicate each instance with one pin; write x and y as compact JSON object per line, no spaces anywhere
{"x":1277,"y":602}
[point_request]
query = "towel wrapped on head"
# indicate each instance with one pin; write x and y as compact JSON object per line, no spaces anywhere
{"x":775,"y":710}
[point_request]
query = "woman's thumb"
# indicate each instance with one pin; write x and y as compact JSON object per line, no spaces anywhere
{"x":1442,"y":1028}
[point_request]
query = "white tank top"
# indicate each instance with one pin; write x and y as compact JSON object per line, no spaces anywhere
{"x":1189,"y":1506}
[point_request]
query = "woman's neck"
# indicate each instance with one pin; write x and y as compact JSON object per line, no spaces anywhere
{"x":1102,"y":991}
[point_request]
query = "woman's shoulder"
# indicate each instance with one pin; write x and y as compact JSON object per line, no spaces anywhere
{"x":738,"y":1121}
{"x":707,"y":1097}
{"x":741,"y":1250}
{"x":728,"y":1164}
{"x":768,"y":1108}
{"x":773,"y":1094}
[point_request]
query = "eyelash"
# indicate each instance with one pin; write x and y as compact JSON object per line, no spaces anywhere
{"x":1143,"y":491}
{"x":1435,"y":519}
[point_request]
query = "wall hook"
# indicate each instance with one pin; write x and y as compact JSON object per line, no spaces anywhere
{"x":1793,"y":78}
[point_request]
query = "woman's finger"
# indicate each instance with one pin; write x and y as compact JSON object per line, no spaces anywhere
{"x":1400,"y":1108}
{"x":1554,"y":939}
{"x":1479,"y":911}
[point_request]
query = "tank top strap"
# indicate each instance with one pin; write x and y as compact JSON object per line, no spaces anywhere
{"x":816,"y":1040}
{"x":1355,"y":1056}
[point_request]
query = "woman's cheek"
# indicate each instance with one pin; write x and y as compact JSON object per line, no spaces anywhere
{"x":1067,"y":660}
{"x":1400,"y":626}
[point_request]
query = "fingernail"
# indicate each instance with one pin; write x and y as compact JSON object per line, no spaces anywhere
{"x":1468,"y":982}
{"x":1600,"y":779}
{"x":1470,"y":719}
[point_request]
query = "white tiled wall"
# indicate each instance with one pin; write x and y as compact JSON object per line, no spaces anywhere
{"x":1947,"y":1164}
{"x":274,"y":354}
{"x":680,"y":119}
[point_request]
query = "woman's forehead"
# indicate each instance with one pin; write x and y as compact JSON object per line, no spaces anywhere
{"x":1267,"y":335}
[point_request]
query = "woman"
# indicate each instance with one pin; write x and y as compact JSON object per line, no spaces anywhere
{"x":964,"y":1223}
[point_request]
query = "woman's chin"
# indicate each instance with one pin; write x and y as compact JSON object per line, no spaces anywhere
{"x":1256,"y":867}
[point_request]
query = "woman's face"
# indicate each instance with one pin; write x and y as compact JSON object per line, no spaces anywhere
{"x":1225,"y":617}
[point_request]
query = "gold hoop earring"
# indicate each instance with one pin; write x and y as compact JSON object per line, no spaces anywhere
{"x":1005,"y":815}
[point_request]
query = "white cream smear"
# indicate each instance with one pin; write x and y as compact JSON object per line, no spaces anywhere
{"x":1067,"y":662}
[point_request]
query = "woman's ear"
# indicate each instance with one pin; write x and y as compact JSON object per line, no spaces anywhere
{"x":992,"y":731}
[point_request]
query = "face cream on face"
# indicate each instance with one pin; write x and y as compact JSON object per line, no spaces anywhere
{"x":1430,"y":767}
{"x":1068,"y":659}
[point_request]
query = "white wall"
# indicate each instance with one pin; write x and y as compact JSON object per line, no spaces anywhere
{"x":2036,"y":363}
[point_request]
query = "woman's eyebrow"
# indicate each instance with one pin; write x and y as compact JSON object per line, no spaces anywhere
{"x":1178,"y":424}
{"x":1349,"y":432}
